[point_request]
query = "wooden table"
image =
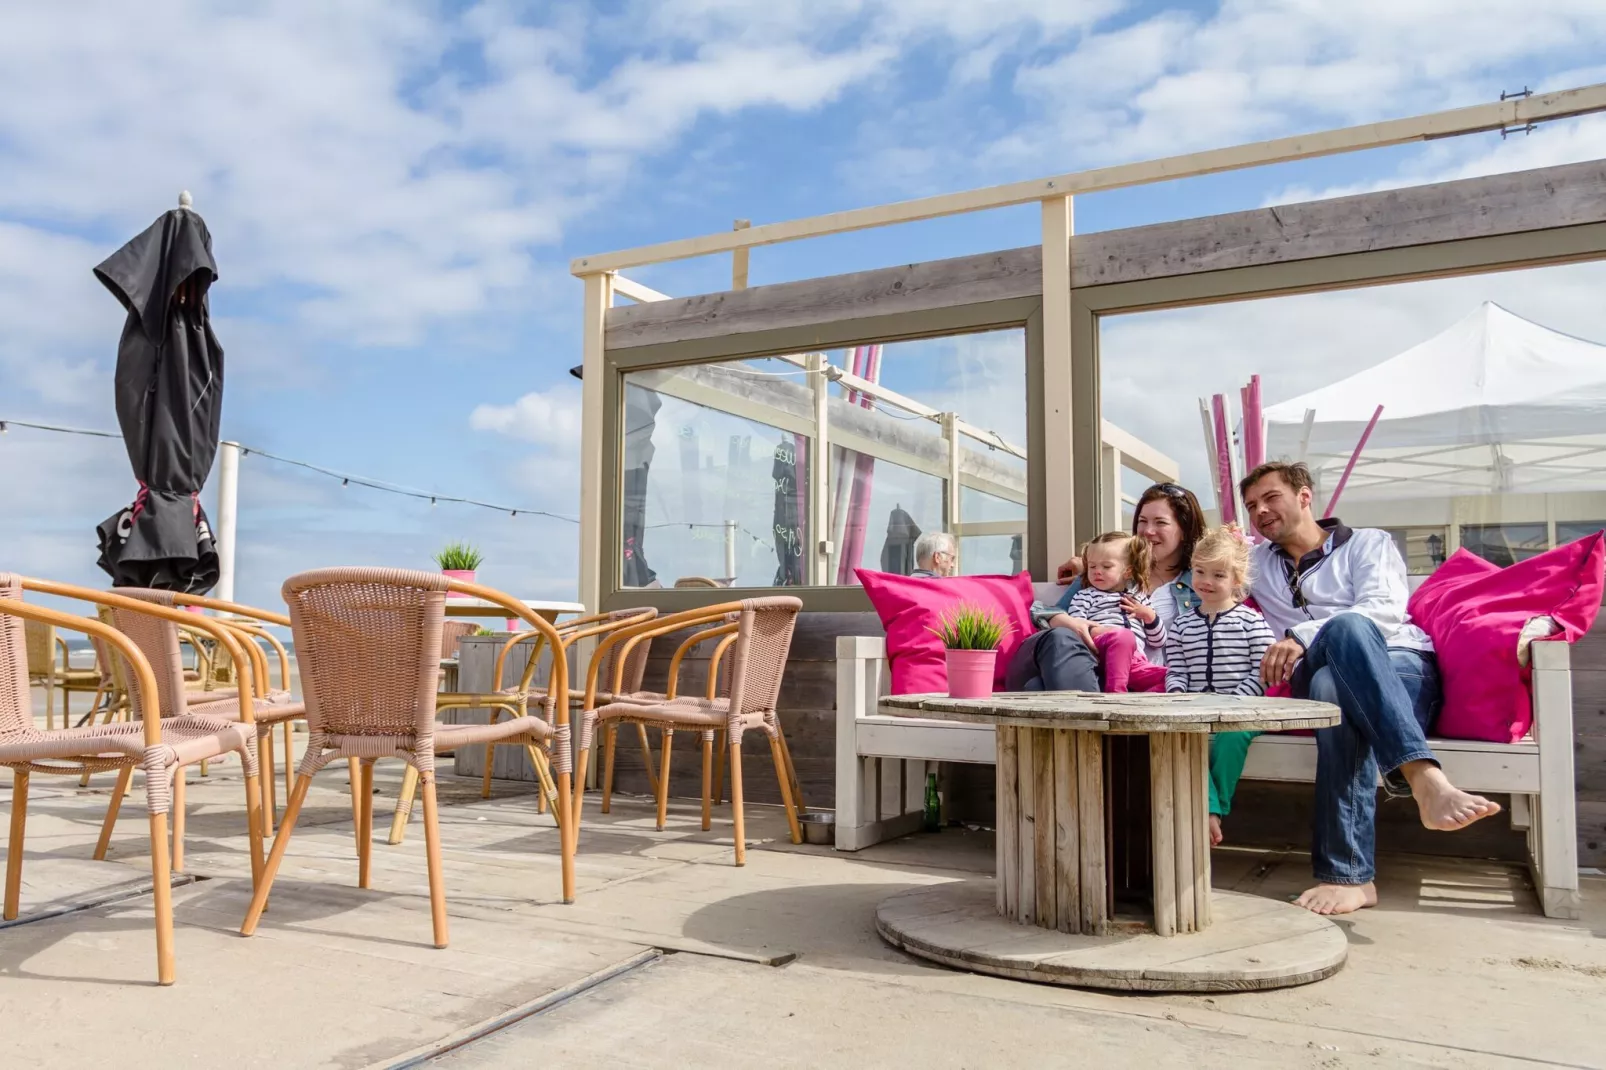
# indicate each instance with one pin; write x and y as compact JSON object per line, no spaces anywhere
{"x":546,"y":609}
{"x":1103,"y":835}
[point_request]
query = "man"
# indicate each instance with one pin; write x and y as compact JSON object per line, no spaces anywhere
{"x":1335,"y":598}
{"x":936,"y":555}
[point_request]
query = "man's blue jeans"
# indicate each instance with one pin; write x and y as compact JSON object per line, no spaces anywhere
{"x":1389,"y":699}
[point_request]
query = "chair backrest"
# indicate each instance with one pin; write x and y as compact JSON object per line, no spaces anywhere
{"x":113,"y":669}
{"x":158,"y":640}
{"x":41,"y":646}
{"x":697,"y":581}
{"x":635,"y":661}
{"x":16,"y":705}
{"x":368,"y":643}
{"x":452,"y":633}
{"x":758,"y":657}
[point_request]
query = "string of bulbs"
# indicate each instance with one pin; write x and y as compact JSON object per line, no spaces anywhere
{"x":346,"y":478}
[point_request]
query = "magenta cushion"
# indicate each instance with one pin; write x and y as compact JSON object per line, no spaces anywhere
{"x":1474,"y":610}
{"x":909,"y":607}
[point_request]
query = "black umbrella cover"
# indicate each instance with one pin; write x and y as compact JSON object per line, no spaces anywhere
{"x":641,"y":419}
{"x":898,"y":552}
{"x":169,"y":392}
{"x":787,"y":525}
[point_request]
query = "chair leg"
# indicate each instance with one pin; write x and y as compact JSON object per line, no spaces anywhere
{"x":255,"y":823}
{"x":577,"y":804}
{"x":124,"y":775}
{"x":736,"y":801}
{"x":404,"y":805}
{"x":667,"y":738}
{"x":545,"y":788}
{"x":264,"y":885}
{"x":432,"y":849}
{"x":205,"y":768}
{"x":270,"y":791}
{"x":50,"y":701}
{"x":354,"y":774}
{"x":365,"y":825}
{"x":83,"y":781}
{"x":646,"y":758}
{"x":568,"y":815}
{"x":19,"y":820}
{"x":791,"y":771}
{"x":162,"y":893}
{"x":289,"y":757}
{"x":490,"y":756}
{"x":708,"y":780}
{"x":610,"y":741}
{"x":719,"y":767}
{"x":779,"y":756}
{"x":178,"y":819}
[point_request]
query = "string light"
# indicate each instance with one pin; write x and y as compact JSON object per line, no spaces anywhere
{"x":346,"y":478}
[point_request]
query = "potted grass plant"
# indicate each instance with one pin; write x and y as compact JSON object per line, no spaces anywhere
{"x":459,"y":561}
{"x":971,"y":635}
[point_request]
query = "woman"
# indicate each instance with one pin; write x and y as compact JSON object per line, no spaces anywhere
{"x":1059,"y":657}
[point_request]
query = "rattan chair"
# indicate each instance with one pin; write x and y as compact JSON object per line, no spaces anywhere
{"x":757,"y":663}
{"x":515,"y":701}
{"x":43,"y":669}
{"x":160,"y":746}
{"x":368,"y":641}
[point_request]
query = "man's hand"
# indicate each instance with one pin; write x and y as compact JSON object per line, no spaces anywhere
{"x":1082,"y":628}
{"x":1069,"y":571}
{"x":1137,"y":609}
{"x":1278,"y":664}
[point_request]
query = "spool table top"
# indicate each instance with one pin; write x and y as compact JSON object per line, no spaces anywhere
{"x":1133,"y":712}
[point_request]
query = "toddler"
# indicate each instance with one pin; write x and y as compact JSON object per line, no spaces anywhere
{"x":1217,"y":649}
{"x":1117,"y":613}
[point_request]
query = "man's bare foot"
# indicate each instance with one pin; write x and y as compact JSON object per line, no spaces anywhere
{"x":1338,"y":898}
{"x":1215,"y":831}
{"x":1441,"y":804}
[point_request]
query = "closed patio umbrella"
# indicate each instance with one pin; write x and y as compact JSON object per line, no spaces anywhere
{"x":898,"y":552}
{"x":169,"y":395}
{"x":787,"y":523}
{"x":641,"y":419}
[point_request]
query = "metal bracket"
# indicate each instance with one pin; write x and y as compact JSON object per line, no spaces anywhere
{"x":1525,"y":129}
{"x":1526,"y":92}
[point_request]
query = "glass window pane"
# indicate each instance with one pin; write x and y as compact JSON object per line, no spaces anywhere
{"x":717,"y":460}
{"x":1505,"y":544}
{"x":1423,"y":548}
{"x":1572,"y":530}
{"x":990,"y":555}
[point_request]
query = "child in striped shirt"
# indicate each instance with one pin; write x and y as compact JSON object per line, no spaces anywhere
{"x":1218,"y":649}
{"x":1120,"y":620}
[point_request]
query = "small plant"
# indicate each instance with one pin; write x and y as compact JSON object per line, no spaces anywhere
{"x":459,"y":557}
{"x":482,"y":630}
{"x":970,"y":627}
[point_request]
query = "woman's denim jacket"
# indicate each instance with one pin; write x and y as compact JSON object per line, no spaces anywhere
{"x":1181,"y":590}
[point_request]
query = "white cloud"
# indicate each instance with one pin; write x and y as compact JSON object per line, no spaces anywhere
{"x":546,"y":417}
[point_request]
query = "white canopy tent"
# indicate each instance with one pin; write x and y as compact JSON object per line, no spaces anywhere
{"x":1493,"y":405}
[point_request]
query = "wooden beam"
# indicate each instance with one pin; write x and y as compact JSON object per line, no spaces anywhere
{"x":1455,"y":122}
{"x":1568,"y":195}
{"x":739,"y":259}
{"x":598,"y":297}
{"x":1140,"y":456}
{"x":636,"y":291}
{"x":1057,"y":404}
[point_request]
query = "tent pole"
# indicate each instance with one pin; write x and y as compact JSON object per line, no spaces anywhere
{"x":228,"y":504}
{"x":1332,"y":503}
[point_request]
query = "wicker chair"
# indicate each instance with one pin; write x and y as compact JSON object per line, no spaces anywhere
{"x":757,"y":662}
{"x":160,"y":746}
{"x":368,"y":641}
{"x":43,"y":669}
{"x":515,"y":701}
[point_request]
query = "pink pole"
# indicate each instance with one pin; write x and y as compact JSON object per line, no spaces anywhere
{"x":853,"y":535}
{"x":1254,"y":426}
{"x":1224,"y":495}
{"x":1332,"y":503}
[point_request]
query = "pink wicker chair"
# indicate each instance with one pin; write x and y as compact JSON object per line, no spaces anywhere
{"x":757,"y":662}
{"x":368,"y":641}
{"x":160,"y":746}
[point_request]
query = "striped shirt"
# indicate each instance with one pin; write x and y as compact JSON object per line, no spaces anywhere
{"x":1104,"y":607}
{"x":1220,"y":655}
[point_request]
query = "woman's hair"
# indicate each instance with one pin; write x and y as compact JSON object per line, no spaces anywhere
{"x":1138,"y":556}
{"x":1184,"y":509}
{"x":1226,"y":546}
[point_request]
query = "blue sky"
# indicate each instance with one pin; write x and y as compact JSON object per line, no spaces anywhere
{"x":395,"y":191}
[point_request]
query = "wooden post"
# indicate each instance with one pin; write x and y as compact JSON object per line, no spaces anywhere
{"x":739,"y":258}
{"x":1110,"y":489}
{"x":1026,"y":843}
{"x":1163,"y":810}
{"x":598,"y":298}
{"x":1067,"y":853}
{"x":1007,"y":846}
{"x":1058,"y":454}
{"x":1090,"y":818}
{"x":821,"y":550}
{"x":950,"y":485}
{"x":1198,"y":745}
{"x":228,"y":511}
{"x":1044,"y":822}
{"x":1182,"y":793}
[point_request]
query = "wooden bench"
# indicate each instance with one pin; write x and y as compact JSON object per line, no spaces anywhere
{"x":882,"y":764}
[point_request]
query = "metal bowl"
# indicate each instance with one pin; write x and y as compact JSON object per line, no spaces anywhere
{"x":819,"y":828}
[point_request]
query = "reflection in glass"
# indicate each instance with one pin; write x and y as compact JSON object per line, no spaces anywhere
{"x":1572,"y":530}
{"x":1422,"y":548}
{"x":1505,"y":544}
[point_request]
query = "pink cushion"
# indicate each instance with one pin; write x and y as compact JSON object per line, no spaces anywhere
{"x":909,"y":607}
{"x":1474,"y":610}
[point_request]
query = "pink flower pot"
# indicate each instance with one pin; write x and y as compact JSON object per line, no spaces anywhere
{"x":464,"y":574}
{"x":514,"y":624}
{"x":970,"y":673}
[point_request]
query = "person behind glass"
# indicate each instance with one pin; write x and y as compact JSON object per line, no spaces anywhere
{"x":1059,"y":656}
{"x":1336,"y":601}
{"x":936,"y":555}
{"x":1113,"y":610}
{"x":1217,"y":649}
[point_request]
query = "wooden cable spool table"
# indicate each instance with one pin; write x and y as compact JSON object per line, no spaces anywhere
{"x":1103,"y":851}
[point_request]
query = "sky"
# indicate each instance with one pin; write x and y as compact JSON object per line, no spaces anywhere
{"x":395,"y":190}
